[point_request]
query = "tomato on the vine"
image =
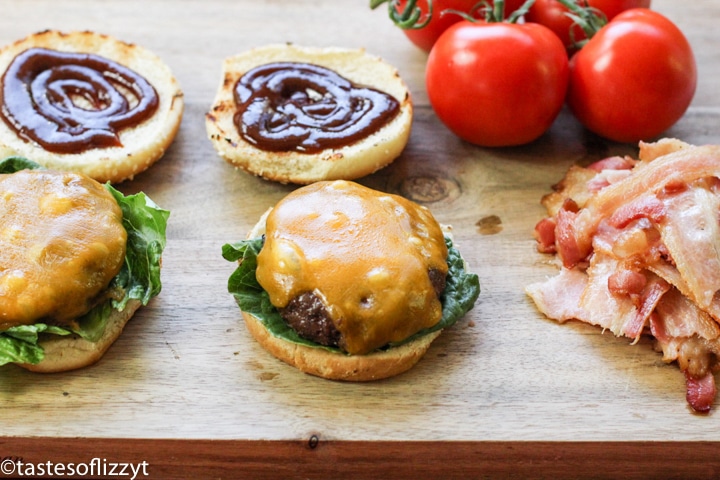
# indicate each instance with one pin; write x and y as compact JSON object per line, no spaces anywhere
{"x":497,"y":84}
{"x":441,"y":18}
{"x":554,"y":15}
{"x":634,"y":78}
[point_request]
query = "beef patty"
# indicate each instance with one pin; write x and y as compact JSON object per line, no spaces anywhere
{"x":309,"y":317}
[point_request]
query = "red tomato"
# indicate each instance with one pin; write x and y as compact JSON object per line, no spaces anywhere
{"x":634,"y":79}
{"x":497,"y":84}
{"x":426,"y":36}
{"x":553,"y":15}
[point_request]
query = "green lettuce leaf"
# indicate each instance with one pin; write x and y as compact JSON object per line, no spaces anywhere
{"x":138,"y":279}
{"x":461,"y":291}
{"x":15,"y":164}
{"x":19,"y":344}
{"x":145,"y":224}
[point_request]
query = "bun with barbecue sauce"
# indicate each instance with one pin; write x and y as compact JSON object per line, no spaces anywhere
{"x":88,"y":103}
{"x":348,"y":283}
{"x":297,"y":114}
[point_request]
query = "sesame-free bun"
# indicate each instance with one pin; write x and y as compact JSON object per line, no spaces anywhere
{"x":335,"y":365}
{"x":339,"y":366}
{"x":348,"y":162}
{"x":70,"y":352}
{"x":142,"y":144}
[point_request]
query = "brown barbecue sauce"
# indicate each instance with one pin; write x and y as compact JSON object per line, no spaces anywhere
{"x":292,"y":106}
{"x":72,"y":102}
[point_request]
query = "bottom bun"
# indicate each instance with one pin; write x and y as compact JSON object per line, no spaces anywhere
{"x":338,"y":366}
{"x":63,"y":353}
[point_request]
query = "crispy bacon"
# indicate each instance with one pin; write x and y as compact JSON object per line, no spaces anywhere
{"x":567,"y":244}
{"x":650,"y":297}
{"x":612,"y":163}
{"x":648,"y":206}
{"x":685,"y":166}
{"x":545,"y":235}
{"x":691,"y":233}
{"x":700,"y":392}
{"x":639,"y":243}
{"x":626,"y":282}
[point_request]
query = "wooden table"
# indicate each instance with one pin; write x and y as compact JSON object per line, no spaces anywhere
{"x":505,"y":393}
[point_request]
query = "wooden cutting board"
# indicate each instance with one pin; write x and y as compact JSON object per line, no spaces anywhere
{"x":504,"y":391}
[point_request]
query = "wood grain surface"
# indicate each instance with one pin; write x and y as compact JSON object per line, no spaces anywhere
{"x":504,"y":393}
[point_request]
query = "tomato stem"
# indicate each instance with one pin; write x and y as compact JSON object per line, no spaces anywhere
{"x":520,"y":12}
{"x":409,"y":17}
{"x":590,"y":19}
{"x":494,"y":13}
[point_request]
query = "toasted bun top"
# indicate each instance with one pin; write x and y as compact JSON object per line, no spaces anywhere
{"x":360,"y":157}
{"x":61,"y":242}
{"x":365,"y":253}
{"x":128,"y":147}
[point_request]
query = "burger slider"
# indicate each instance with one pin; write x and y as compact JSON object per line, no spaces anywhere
{"x":77,"y":259}
{"x":348,"y":283}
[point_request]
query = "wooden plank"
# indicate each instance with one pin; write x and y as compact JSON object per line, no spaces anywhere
{"x":316,"y":458}
{"x":503,"y":391}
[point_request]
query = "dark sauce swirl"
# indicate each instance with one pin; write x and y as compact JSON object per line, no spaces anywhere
{"x":73,"y":102}
{"x":307,"y":108}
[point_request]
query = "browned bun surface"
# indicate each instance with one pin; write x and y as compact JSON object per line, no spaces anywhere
{"x":141,"y":144}
{"x":347,"y":162}
{"x":63,"y":353}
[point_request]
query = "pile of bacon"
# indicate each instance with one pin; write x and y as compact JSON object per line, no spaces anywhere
{"x":639,"y":243}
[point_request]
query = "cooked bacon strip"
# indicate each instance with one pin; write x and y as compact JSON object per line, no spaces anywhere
{"x":605,"y":178}
{"x":605,"y":308}
{"x":678,"y":317}
{"x":626,"y":282}
{"x":682,"y":166}
{"x":573,"y":186}
{"x":691,"y":233}
{"x":567,"y":243}
{"x":612,"y":163}
{"x":545,"y":235}
{"x":559,"y":296}
{"x":649,"y":299}
{"x":700,"y":392}
{"x":639,"y":243}
{"x":646,"y":206}
{"x":670,"y":274}
{"x":650,"y":151}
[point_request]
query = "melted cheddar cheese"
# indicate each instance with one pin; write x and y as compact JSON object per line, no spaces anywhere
{"x":61,"y":242}
{"x":365,"y":253}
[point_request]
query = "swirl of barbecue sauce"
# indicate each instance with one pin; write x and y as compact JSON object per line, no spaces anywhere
{"x":307,"y":108}
{"x":72,"y":102}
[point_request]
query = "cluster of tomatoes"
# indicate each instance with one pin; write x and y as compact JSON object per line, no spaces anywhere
{"x":625,"y":71}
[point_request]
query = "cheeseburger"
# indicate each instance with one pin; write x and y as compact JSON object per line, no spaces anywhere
{"x":77,"y":259}
{"x":348,"y":283}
